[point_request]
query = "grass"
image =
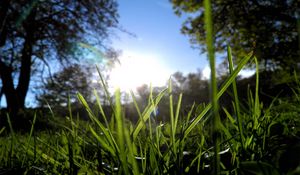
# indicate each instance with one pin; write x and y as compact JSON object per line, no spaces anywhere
{"x":250,"y":140}
{"x":213,"y":85}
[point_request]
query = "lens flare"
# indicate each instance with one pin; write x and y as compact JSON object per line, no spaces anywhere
{"x":93,"y":54}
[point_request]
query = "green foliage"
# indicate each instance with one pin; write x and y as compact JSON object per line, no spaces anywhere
{"x":269,"y":28}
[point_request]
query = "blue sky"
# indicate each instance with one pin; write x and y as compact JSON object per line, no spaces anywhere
{"x":157,"y":51}
{"x":158,"y":31}
{"x":158,"y":37}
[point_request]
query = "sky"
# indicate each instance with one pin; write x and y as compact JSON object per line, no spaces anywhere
{"x":158,"y":48}
{"x":156,"y":51}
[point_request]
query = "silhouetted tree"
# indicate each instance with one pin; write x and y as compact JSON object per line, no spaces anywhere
{"x":178,"y":82}
{"x":64,"y":85}
{"x":36,"y":32}
{"x":269,"y":28}
{"x":193,"y":87}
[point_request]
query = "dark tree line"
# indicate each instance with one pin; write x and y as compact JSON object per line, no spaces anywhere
{"x":193,"y":86}
{"x":195,"y":89}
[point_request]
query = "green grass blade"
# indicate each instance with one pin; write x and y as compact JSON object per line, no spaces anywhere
{"x":2,"y":130}
{"x":12,"y":141}
{"x":10,"y":126}
{"x":106,"y":132}
{"x":256,"y":100}
{"x":84,"y":103}
{"x":236,"y":98}
{"x":51,"y":147}
{"x":173,"y":127}
{"x":71,"y":116}
{"x":131,"y":155}
{"x":135,"y":104}
{"x":103,"y":144}
{"x":111,"y":138}
{"x":177,"y":111}
{"x":120,"y":131}
{"x":104,"y":85}
{"x":213,"y":84}
{"x":146,"y":114}
{"x":29,"y":137}
{"x":151,"y":101}
{"x":101,"y":108}
{"x":190,"y":112}
{"x":223,"y":88}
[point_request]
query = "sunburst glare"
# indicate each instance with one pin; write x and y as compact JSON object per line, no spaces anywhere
{"x":136,"y":69}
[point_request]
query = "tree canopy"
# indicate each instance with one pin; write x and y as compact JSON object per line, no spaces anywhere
{"x":63,"y":86}
{"x":36,"y":32}
{"x":269,"y":28}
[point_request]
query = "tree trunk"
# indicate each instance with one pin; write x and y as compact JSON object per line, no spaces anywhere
{"x":15,"y":97}
{"x":25,"y":72}
{"x":13,"y":103}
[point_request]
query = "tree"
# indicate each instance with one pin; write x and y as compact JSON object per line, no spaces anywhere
{"x":268,"y":27}
{"x":37,"y":32}
{"x":64,"y":85}
{"x":193,"y":87}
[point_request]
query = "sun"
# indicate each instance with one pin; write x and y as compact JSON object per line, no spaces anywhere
{"x":136,"y":69}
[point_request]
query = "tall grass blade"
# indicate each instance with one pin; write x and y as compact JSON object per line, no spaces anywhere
{"x":173,"y":127}
{"x":223,"y":88}
{"x":236,"y":98}
{"x":29,"y":138}
{"x":103,"y":144}
{"x":131,"y":152}
{"x":135,"y":104}
{"x":177,"y":111}
{"x":257,"y":105}
{"x":146,"y":114}
{"x":71,"y":115}
{"x":151,"y":101}
{"x":105,"y":131}
{"x":104,"y":85}
{"x":12,"y":142}
{"x":120,"y":132}
{"x":111,"y":138}
{"x":213,"y":83}
{"x":10,"y":126}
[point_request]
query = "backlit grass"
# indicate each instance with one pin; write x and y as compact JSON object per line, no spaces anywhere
{"x":250,"y":140}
